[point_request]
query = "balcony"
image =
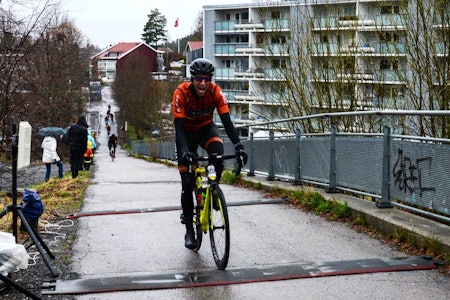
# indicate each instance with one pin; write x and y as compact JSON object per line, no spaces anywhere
{"x":353,"y":21}
{"x":249,"y":50}
{"x":277,"y":24}
{"x":224,"y":73}
{"x":355,"y":76}
{"x":273,"y":49}
{"x":394,"y":20}
{"x":224,"y":26}
{"x":251,"y":73}
{"x":229,"y":49}
{"x":390,"y":48}
{"x":249,"y":26}
{"x":325,"y":23}
{"x":442,"y":49}
{"x":383,"y":76}
{"x":392,"y":76}
{"x":233,"y":95}
{"x":382,"y":48}
{"x":266,"y":99}
{"x":357,"y":49}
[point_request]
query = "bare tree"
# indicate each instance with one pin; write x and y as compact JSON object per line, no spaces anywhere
{"x":327,"y":64}
{"x":197,"y":33}
{"x":19,"y":35}
{"x":140,"y":97}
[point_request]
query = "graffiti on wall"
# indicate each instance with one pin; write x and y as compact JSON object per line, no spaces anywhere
{"x":409,"y":175}
{"x":281,"y":160}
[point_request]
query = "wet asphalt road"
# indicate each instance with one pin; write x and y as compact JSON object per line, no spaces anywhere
{"x":261,"y":235}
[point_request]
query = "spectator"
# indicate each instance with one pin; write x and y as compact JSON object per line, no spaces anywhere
{"x":50,"y":156}
{"x":78,"y":144}
{"x":92,"y":140}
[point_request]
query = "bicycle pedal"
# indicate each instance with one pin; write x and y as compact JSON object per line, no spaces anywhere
{"x":182,"y":219}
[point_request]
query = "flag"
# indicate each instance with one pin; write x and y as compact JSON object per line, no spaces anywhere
{"x":176,"y":22}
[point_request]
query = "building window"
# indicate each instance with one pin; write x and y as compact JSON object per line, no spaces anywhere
{"x":389,"y":37}
{"x":390,"y":9}
{"x":278,"y":39}
{"x":386,"y":64}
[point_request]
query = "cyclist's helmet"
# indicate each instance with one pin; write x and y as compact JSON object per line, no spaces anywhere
{"x":201,"y":66}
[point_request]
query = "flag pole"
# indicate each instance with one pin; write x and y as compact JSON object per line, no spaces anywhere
{"x":178,"y":39}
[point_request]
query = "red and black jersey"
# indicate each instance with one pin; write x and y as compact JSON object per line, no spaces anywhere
{"x":198,"y":112}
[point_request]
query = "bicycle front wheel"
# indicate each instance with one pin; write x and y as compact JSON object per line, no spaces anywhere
{"x":219,"y":229}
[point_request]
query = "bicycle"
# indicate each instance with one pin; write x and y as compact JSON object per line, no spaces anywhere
{"x":211,"y":213}
{"x":112,"y":153}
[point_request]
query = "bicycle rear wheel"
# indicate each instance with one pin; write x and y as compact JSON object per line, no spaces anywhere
{"x":219,"y":230}
{"x":198,"y":229}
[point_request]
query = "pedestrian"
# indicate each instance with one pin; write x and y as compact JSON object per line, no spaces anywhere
{"x":106,"y":119}
{"x":193,"y":110}
{"x":78,"y":144}
{"x":108,"y":129}
{"x":50,"y":156}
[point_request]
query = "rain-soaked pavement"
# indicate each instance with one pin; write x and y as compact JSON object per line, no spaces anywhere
{"x":262,"y":236}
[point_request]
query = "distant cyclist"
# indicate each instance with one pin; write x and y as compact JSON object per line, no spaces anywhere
{"x":112,"y":144}
{"x":193,"y":107}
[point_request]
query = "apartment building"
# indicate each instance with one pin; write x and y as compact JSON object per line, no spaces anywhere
{"x":289,"y":58}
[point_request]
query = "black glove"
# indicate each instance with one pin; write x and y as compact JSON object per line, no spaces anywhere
{"x":239,"y":148}
{"x":186,"y":158}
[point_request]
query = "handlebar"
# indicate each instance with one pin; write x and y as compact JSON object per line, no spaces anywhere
{"x":213,"y":157}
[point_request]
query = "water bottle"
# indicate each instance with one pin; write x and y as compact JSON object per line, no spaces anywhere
{"x":200,"y":199}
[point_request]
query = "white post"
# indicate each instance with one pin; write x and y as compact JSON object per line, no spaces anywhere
{"x":24,"y":151}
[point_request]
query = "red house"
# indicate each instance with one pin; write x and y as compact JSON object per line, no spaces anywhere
{"x":107,"y":63}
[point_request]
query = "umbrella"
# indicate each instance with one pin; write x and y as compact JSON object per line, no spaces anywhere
{"x":51,"y":131}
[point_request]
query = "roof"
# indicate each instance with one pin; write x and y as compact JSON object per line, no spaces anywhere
{"x":194,"y":45}
{"x":121,"y":49}
{"x":165,"y":49}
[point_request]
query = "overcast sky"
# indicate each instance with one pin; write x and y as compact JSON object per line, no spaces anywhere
{"x":108,"y":22}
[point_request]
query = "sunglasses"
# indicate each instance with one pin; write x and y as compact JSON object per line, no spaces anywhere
{"x":200,"y":78}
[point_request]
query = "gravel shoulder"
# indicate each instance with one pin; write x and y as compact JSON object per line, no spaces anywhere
{"x":59,"y":235}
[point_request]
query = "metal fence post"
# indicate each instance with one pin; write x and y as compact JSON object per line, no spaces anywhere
{"x":251,"y":163}
{"x":385,"y":201}
{"x":297,"y":170}
{"x":332,"y":186}
{"x":271,"y":176}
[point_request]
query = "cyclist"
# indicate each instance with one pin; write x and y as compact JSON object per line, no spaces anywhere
{"x":112,"y":144}
{"x":193,"y":106}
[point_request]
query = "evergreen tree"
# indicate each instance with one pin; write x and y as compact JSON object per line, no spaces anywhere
{"x":155,"y":29}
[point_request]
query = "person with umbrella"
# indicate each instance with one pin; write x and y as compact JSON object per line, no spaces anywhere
{"x":50,"y":156}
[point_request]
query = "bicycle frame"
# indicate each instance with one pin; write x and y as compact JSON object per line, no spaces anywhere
{"x":203,"y":195}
